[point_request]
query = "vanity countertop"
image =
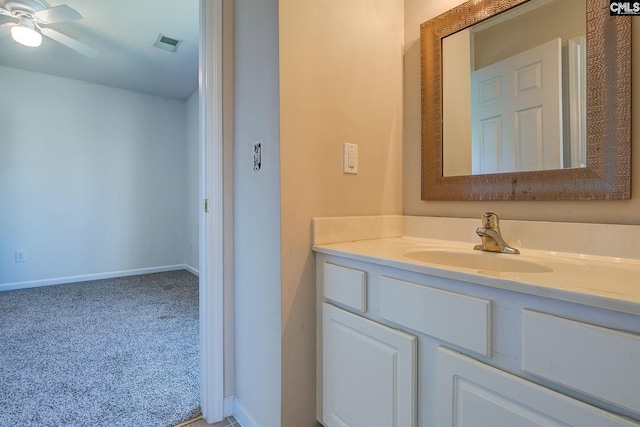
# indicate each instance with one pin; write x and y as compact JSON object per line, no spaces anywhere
{"x":598,"y":281}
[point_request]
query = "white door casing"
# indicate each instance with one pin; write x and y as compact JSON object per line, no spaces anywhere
{"x":577,"y":81}
{"x":211,"y":224}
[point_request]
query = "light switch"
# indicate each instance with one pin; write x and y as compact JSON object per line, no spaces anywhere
{"x":350,"y":158}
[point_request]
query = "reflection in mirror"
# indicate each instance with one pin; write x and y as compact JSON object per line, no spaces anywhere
{"x":514,"y":91}
{"x":559,"y":165}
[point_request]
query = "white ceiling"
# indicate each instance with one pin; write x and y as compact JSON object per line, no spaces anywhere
{"x":123,"y":31}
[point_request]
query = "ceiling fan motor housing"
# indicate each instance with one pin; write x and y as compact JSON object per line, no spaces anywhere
{"x":28,"y":6}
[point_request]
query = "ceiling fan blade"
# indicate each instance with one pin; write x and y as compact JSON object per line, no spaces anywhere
{"x":69,"y":42}
{"x":55,"y":14}
{"x":5,"y":28}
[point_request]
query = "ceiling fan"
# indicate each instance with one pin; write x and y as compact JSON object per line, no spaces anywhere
{"x":33,"y":16}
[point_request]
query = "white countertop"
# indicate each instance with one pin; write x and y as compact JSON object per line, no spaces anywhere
{"x":598,"y":281}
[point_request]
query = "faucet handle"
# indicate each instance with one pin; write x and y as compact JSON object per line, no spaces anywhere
{"x":490,"y":221}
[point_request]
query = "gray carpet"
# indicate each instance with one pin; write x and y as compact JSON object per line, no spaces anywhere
{"x":116,"y":352}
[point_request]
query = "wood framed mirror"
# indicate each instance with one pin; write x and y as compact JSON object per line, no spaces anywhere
{"x":605,"y":172}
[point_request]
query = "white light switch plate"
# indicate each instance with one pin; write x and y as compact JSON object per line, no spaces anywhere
{"x":21,"y":255}
{"x":350,"y":158}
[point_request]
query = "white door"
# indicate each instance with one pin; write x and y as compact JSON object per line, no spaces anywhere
{"x":472,"y":394}
{"x":369,"y":372}
{"x":516,"y":112}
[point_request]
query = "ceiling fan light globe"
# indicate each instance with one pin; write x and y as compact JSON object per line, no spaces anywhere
{"x":26,"y":36}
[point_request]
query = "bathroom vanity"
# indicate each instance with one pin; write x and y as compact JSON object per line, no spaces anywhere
{"x":417,"y":330}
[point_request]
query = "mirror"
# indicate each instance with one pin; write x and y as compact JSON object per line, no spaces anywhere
{"x":503,"y":78}
{"x":568,"y":132}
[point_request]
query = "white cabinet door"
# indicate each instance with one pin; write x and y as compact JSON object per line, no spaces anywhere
{"x":472,"y":394}
{"x":369,"y":372}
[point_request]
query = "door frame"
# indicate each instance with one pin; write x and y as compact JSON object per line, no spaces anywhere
{"x":211,"y":218}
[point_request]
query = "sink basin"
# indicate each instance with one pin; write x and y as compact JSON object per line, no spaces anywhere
{"x":484,"y":261}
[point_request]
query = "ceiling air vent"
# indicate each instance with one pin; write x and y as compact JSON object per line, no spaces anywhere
{"x":167,"y":43}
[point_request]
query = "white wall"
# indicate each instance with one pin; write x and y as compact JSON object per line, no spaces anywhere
{"x":256,"y":215}
{"x":92,"y":178}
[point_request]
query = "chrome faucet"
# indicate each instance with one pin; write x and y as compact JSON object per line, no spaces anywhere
{"x":490,"y":234}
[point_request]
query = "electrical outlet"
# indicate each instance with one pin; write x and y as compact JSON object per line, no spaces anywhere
{"x":21,"y":255}
{"x":350,"y":158}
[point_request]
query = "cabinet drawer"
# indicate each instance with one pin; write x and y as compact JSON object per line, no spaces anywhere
{"x":459,"y":319}
{"x":601,"y":362}
{"x":346,"y":286}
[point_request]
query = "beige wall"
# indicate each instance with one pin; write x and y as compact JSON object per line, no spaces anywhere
{"x":622,"y":212}
{"x":340,"y":81}
{"x":525,"y":31}
{"x":456,"y":105}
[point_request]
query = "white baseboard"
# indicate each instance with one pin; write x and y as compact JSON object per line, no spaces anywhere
{"x":87,"y":277}
{"x":243,"y":416}
{"x":228,"y":406}
{"x":191,"y":270}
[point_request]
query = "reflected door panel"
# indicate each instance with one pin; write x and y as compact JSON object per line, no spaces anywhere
{"x":516,"y":112}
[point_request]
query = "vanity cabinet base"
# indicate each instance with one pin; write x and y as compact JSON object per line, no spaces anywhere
{"x":432,"y":351}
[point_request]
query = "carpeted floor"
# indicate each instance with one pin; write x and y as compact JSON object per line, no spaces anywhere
{"x":115,"y":352}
